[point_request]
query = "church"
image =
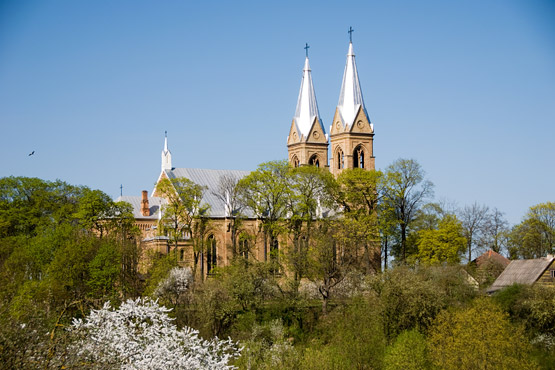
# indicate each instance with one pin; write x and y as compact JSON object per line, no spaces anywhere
{"x":350,"y":137}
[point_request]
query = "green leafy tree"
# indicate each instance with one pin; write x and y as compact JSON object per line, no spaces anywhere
{"x":534,"y":237}
{"x":29,"y":205}
{"x":412,"y":298}
{"x":95,"y":208}
{"x":266,"y":192}
{"x":331,"y":258}
{"x":443,"y":244}
{"x":388,"y":226}
{"x":310,"y":187}
{"x":185,"y":215}
{"x":358,"y":194}
{"x":478,"y":337}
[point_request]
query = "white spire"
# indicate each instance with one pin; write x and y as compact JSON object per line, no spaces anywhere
{"x":166,"y":155}
{"x":307,"y":108}
{"x":350,"y":98}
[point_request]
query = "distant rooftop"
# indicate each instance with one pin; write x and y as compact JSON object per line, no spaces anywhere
{"x":525,"y":272}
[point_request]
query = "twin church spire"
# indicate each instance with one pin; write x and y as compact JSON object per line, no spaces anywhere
{"x":351,"y":132}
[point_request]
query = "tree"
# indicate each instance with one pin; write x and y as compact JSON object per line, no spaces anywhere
{"x":495,"y":231}
{"x":184,"y":215}
{"x":310,"y":187}
{"x":229,"y":194}
{"x":406,"y":189}
{"x":173,"y":287}
{"x":388,"y":226}
{"x":95,"y":207}
{"x":141,"y":335}
{"x":473,"y":220}
{"x":358,"y":193}
{"x":478,"y":337}
{"x":266,"y":192}
{"x":534,"y":237}
{"x":331,"y":257}
{"x":442,"y":244}
{"x":29,"y":205}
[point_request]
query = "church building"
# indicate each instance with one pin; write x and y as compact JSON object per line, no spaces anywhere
{"x":350,"y":138}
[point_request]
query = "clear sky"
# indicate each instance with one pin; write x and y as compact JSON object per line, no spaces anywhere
{"x":466,"y":88}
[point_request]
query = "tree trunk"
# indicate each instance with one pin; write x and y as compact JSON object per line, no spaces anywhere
{"x":324,"y":291}
{"x":404,"y":241}
{"x":385,"y":253}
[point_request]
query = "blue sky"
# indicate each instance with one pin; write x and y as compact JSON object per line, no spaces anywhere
{"x":465,"y":88}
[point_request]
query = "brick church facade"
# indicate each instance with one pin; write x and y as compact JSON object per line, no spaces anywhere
{"x":347,"y":144}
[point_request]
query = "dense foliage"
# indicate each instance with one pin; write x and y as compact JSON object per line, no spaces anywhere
{"x":362,"y":282}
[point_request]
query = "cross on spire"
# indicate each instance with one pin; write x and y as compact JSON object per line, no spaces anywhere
{"x":306,"y":49}
{"x":350,"y":32}
{"x":121,"y":190}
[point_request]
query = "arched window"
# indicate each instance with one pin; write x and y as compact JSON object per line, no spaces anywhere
{"x":358,"y":157}
{"x":181,"y":254}
{"x":274,"y":254}
{"x":244,"y":246}
{"x":340,"y":159}
{"x":295,"y":161}
{"x":211,"y":256}
{"x":314,"y":161}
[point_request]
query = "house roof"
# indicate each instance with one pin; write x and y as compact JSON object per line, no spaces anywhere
{"x":491,"y":256}
{"x":521,"y":272}
{"x":210,"y":179}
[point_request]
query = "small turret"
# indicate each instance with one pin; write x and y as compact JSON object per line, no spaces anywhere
{"x":166,"y":155}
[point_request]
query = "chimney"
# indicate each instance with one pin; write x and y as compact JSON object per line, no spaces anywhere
{"x":145,"y":208}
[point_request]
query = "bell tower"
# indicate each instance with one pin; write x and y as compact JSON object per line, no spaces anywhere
{"x":351,"y":132}
{"x":307,"y":142}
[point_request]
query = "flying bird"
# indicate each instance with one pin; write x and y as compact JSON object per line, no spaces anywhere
{"x":30,"y":154}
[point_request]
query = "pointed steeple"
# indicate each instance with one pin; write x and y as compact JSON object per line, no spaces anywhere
{"x":307,"y":142}
{"x":307,"y":107}
{"x":350,"y":98}
{"x":166,"y":155}
{"x":352,"y":133}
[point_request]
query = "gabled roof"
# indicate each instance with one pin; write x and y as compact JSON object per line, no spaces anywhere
{"x":211,"y":180}
{"x":154,"y":202}
{"x":525,"y":272}
{"x":307,"y":107}
{"x":491,"y":256}
{"x":350,"y":97}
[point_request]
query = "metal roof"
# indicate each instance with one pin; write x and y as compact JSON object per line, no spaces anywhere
{"x":307,"y":107}
{"x":135,"y":201}
{"x":522,"y":272}
{"x":350,"y":97}
{"x":211,"y":180}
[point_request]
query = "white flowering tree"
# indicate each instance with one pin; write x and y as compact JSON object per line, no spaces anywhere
{"x":175,"y":285}
{"x":141,"y":335}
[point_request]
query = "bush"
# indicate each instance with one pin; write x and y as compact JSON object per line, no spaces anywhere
{"x":478,"y":337}
{"x":408,"y":352}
